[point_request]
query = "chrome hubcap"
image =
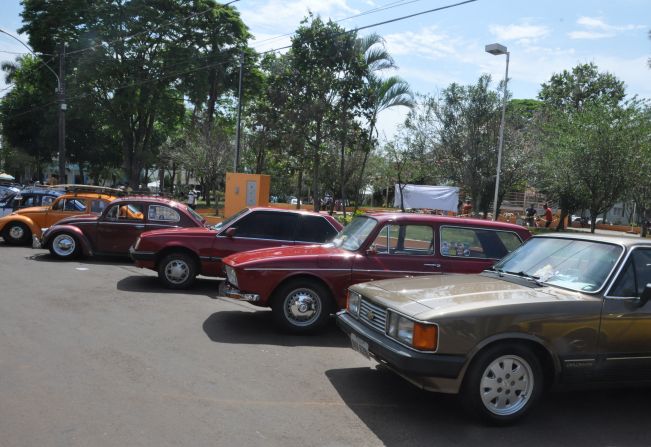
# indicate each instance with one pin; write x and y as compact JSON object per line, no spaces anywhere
{"x":16,"y":232}
{"x":63,"y":245}
{"x":177,"y":271}
{"x":506,"y":385}
{"x":302,"y":307}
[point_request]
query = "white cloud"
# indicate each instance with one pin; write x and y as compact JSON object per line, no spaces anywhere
{"x":427,"y":42}
{"x":524,"y":33}
{"x":597,"y":28}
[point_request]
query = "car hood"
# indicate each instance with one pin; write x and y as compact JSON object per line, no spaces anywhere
{"x":287,"y":254}
{"x":180,"y":232}
{"x":428,"y":296}
{"x":32,"y":210}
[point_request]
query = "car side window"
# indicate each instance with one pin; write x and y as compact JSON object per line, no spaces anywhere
{"x":58,"y":206}
{"x":125,"y":212}
{"x":635,"y":275}
{"x":163,"y":214}
{"x":74,"y":205}
{"x":97,"y":206}
{"x":314,"y":229}
{"x":477,"y":242}
{"x":267,"y":225}
{"x":47,"y":200}
{"x":405,"y":240}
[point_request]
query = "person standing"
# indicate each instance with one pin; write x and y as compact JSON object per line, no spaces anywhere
{"x":530,"y":216}
{"x":549,"y":216}
{"x":192,"y":197}
{"x":467,"y":208}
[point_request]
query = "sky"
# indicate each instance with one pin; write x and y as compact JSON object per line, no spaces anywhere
{"x":435,"y":49}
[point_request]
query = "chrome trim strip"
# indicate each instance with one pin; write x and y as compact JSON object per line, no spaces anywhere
{"x":645,"y":357}
{"x":256,"y":238}
{"x":295,"y":269}
{"x":579,"y":360}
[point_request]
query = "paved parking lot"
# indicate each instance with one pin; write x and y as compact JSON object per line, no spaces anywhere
{"x":96,"y":353}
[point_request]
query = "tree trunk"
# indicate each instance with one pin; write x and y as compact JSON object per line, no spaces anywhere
{"x":593,"y":221}
{"x":299,"y":184}
{"x":315,"y":169}
{"x":342,"y":174}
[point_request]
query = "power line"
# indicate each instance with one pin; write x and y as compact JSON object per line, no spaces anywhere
{"x":135,"y":84}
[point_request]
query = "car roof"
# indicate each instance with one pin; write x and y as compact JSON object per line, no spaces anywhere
{"x":434,"y":218}
{"x":40,"y":190}
{"x":150,"y":199}
{"x":87,"y":195}
{"x":626,"y":240}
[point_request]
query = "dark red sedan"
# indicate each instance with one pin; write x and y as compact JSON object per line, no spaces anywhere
{"x":118,"y":227}
{"x":179,"y":255}
{"x":304,"y":285}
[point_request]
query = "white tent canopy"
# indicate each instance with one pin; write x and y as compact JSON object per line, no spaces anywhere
{"x":445,"y":198}
{"x":5,"y":176}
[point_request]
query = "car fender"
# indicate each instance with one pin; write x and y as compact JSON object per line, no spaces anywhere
{"x":86,"y":247}
{"x":513,"y":336}
{"x":304,"y":274}
{"x":36,"y":231}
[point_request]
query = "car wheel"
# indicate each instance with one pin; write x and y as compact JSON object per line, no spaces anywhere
{"x":502,"y":384}
{"x":17,"y":233}
{"x":302,"y":306}
{"x":177,"y":270}
{"x":64,"y":246}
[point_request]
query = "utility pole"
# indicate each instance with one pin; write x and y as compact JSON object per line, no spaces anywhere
{"x":236,"y":163}
{"x":62,"y":114}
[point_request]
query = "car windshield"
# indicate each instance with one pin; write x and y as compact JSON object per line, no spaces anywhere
{"x":226,"y":222}
{"x":578,"y":265}
{"x":355,"y":233}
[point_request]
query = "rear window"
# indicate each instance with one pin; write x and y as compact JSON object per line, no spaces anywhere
{"x":315,"y":229}
{"x":163,"y":214}
{"x":477,"y":242}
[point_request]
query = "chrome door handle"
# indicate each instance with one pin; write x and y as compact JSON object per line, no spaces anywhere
{"x":433,"y":265}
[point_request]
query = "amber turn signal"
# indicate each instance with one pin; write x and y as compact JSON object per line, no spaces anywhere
{"x":425,"y":337}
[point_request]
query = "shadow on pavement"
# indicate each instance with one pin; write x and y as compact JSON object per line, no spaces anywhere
{"x":246,"y":327}
{"x":95,"y":260}
{"x":151,"y":284}
{"x":400,"y":414}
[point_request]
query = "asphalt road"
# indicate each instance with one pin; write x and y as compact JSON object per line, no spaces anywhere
{"x":96,"y":353}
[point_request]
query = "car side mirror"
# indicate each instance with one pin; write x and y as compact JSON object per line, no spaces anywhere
{"x":646,"y":295}
{"x":230,"y":232}
{"x":371,"y":250}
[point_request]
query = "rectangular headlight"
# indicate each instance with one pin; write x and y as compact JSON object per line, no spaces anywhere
{"x":230,"y":274}
{"x":421,"y":336}
{"x":353,"y":303}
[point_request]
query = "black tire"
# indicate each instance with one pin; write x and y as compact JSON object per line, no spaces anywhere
{"x":302,"y":306}
{"x":17,"y":233}
{"x":511,"y":374}
{"x":64,"y":246}
{"x":177,"y":270}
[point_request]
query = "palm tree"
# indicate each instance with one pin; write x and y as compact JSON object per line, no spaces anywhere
{"x":384,"y":93}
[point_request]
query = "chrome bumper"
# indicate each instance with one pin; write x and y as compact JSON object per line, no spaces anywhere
{"x":228,"y":291}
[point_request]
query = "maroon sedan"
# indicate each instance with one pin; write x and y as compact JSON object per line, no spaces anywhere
{"x":118,"y":227}
{"x":179,"y":255}
{"x":304,"y":285}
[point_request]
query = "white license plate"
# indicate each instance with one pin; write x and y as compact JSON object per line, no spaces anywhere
{"x":359,"y":345}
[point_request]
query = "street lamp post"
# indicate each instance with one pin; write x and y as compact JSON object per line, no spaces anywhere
{"x":496,"y":49}
{"x":61,"y":102}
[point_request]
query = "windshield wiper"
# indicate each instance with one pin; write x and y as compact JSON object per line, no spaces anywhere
{"x":500,"y":272}
{"x":528,"y":276}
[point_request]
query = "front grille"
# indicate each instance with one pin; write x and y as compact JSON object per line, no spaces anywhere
{"x":373,"y":315}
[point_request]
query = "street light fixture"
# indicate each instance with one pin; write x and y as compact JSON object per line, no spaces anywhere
{"x":61,"y":101}
{"x":497,"y":50}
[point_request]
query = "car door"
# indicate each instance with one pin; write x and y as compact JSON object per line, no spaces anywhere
{"x":65,"y":207}
{"x":257,"y":229}
{"x":625,"y":335}
{"x":120,"y":226}
{"x":472,"y":250}
{"x":398,"y":250}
